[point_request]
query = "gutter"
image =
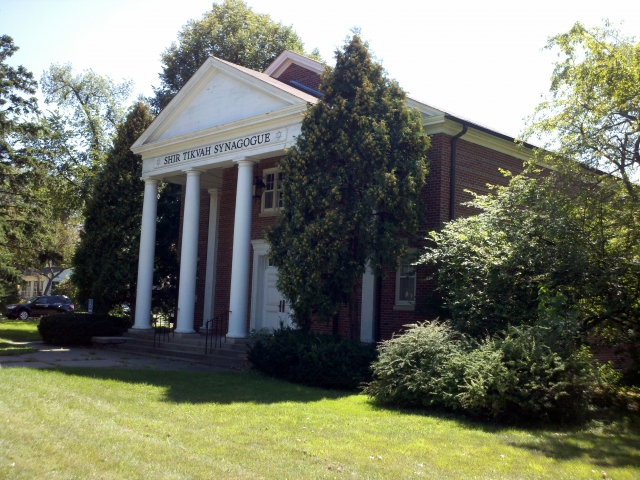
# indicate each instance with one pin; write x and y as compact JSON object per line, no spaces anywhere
{"x":484,"y":129}
{"x":306,"y":89}
{"x":452,"y":175}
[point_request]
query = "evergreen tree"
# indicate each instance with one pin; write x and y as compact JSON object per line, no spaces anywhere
{"x":166,"y":267}
{"x":106,"y":260}
{"x":24,"y":212}
{"x":351,"y":188}
{"x":230,"y":31}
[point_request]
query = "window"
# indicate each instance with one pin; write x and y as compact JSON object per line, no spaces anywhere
{"x":272,"y":200}
{"x":406,"y":280}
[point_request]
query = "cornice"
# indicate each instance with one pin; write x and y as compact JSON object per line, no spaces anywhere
{"x":264,"y":121}
{"x":441,"y":124}
{"x":202,"y":76}
{"x":425,"y":109}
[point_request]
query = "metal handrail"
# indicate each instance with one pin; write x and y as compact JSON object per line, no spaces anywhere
{"x":216,"y":328}
{"x":162,"y":329}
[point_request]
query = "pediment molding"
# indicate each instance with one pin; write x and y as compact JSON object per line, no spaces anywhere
{"x":277,"y":99}
{"x":288,"y":58}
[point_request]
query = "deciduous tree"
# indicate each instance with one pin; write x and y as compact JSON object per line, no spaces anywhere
{"x":561,"y":248}
{"x":592,"y":114}
{"x":351,"y":187}
{"x":80,"y":130}
{"x":231,"y":31}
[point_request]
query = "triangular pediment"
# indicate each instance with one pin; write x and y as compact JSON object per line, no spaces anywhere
{"x":219,"y":93}
{"x":223,"y":99}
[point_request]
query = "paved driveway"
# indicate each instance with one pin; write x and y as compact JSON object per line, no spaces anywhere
{"x":48,"y":356}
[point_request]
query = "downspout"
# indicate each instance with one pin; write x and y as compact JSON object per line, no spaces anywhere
{"x":452,"y":175}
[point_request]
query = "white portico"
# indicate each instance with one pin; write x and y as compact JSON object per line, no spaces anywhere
{"x":225,"y":117}
{"x":222,"y":133}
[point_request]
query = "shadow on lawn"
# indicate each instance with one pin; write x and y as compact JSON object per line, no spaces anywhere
{"x":212,"y":387}
{"x":13,"y":349}
{"x":615,"y":444}
{"x":602,"y":450}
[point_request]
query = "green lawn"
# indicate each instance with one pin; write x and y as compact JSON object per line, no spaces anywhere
{"x":113,"y":424}
{"x":13,"y":334}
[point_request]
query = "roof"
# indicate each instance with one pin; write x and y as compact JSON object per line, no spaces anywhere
{"x":281,"y":62}
{"x":272,"y":81}
{"x":287,"y":57}
{"x":471,"y":123}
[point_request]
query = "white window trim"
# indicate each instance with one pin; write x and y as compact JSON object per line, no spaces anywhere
{"x":406,"y":304}
{"x":275,"y":210}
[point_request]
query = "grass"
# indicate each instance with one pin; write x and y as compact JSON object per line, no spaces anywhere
{"x":15,"y":333}
{"x":112,"y":424}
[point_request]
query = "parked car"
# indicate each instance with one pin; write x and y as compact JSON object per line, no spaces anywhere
{"x":39,"y":306}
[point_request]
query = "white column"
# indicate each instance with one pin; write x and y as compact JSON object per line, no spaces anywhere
{"x":189,"y":254}
{"x":145,"y":258}
{"x":212,"y":251}
{"x":241,"y":250}
{"x":368,"y":308}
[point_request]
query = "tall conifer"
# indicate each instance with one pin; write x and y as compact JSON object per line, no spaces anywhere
{"x":351,"y":187}
{"x":106,"y":260}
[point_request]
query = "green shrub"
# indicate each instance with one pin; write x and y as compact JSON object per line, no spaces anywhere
{"x":414,"y":369}
{"x":311,"y":359}
{"x":78,"y":328}
{"x":522,"y":375}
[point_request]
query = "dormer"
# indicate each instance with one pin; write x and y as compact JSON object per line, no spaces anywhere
{"x":297,"y":71}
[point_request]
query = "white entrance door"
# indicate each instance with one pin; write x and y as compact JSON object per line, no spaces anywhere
{"x":276,"y":310}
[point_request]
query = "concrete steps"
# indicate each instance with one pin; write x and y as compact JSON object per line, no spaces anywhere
{"x":231,"y":354}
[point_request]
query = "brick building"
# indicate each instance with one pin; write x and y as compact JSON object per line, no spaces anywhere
{"x":223,"y":133}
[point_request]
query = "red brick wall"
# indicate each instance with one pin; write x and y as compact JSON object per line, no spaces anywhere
{"x":225,"y":235}
{"x":619,"y":355}
{"x":476,"y":166}
{"x":203,"y":231}
{"x":203,"y":235}
{"x":301,"y":75}
{"x":225,"y":240}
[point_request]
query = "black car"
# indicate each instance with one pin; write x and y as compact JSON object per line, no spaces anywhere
{"x":38,"y":306}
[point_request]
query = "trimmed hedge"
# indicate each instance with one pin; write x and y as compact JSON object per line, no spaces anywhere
{"x":78,"y":328}
{"x":311,"y":359}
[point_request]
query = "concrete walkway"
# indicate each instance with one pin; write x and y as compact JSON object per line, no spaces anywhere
{"x":48,"y":356}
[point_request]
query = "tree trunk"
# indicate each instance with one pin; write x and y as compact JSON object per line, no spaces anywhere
{"x":353,"y":315}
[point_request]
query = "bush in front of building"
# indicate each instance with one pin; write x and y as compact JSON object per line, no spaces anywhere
{"x":311,"y":359}
{"x":77,"y":328}
{"x":415,"y":369}
{"x":521,"y":376}
{"x":563,"y":243}
{"x":518,"y":375}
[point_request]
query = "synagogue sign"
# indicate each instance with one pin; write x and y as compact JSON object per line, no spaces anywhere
{"x":216,"y":149}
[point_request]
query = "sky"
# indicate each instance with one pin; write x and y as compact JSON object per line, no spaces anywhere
{"x":482,"y":60}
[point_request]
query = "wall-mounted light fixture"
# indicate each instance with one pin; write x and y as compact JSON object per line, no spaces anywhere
{"x":258,"y":187}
